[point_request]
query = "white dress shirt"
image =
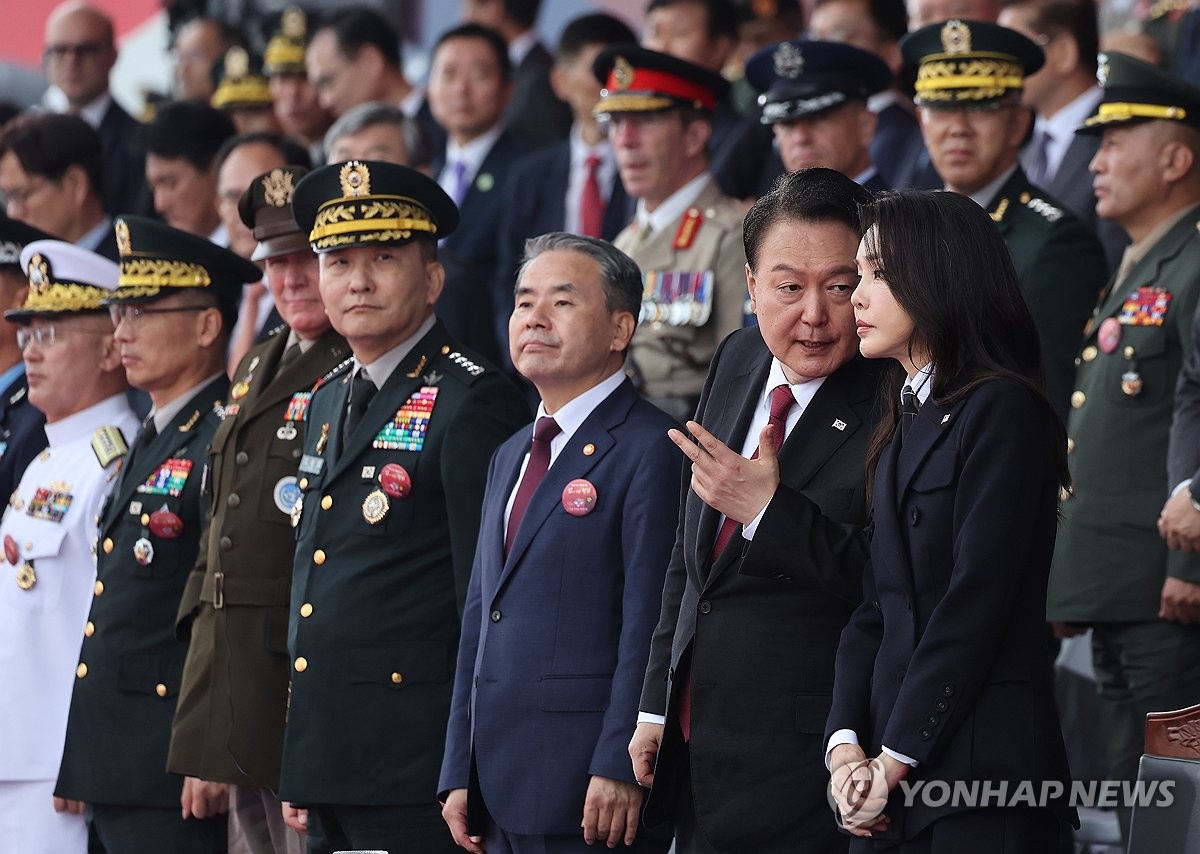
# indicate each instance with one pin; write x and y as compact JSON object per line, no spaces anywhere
{"x":606,"y":171}
{"x":672,"y":207}
{"x":472,"y":155}
{"x":382,"y":368}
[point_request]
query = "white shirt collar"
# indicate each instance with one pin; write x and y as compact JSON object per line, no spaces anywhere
{"x":382,"y":368}
{"x":93,"y":113}
{"x":880,"y":101}
{"x":922,"y":383}
{"x":220,"y":236}
{"x":472,"y":154}
{"x":411,"y":105}
{"x":162,"y":416}
{"x":1061,"y":126}
{"x":95,"y":235}
{"x":580,"y":150}
{"x":519,"y":47}
{"x":802,"y":391}
{"x":571,"y":415}
{"x":673,"y":206}
{"x":85,"y":422}
{"x":984,"y":195}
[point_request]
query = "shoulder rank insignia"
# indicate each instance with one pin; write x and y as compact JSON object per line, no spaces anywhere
{"x":50,"y":503}
{"x":1001,"y":209}
{"x":1041,"y":206}
{"x":406,"y":430}
{"x":688,"y":227}
{"x":466,"y":364}
{"x":168,"y":479}
{"x":1147,"y":306}
{"x":191,"y":422}
{"x":108,"y":443}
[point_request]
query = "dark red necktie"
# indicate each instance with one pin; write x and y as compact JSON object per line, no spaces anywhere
{"x":782,"y":401}
{"x":539,"y":462}
{"x":591,"y":203}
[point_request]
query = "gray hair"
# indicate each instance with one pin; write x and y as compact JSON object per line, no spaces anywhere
{"x":621,"y":277}
{"x":371,"y":113}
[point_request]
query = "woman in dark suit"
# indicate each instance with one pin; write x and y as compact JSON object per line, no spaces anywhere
{"x":943,"y":674}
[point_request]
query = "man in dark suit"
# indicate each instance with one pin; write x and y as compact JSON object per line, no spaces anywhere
{"x":740,"y":675}
{"x":395,"y":453}
{"x":577,"y":533}
{"x":1062,"y":94}
{"x":80,"y":53}
{"x":233,"y":693}
{"x":172,"y":334}
{"x":974,"y":126}
{"x":536,"y":115}
{"x":813,"y":96}
{"x":470,"y":83}
{"x":1112,"y":570}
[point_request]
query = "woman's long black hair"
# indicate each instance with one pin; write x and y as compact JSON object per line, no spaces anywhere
{"x":949,"y":268}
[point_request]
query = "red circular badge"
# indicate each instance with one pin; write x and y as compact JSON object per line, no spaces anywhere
{"x":579,"y":497}
{"x":1109,"y":335}
{"x":12,"y":551}
{"x":395,"y":480}
{"x":165,"y":524}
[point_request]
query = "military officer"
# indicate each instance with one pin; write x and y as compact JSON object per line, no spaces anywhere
{"x":969,"y":76}
{"x":396,"y":448}
{"x":176,"y":301}
{"x":229,"y":721}
{"x":814,"y":95}
{"x":686,"y":235}
{"x":1111,"y":570}
{"x":48,"y":532}
{"x":21,"y":433}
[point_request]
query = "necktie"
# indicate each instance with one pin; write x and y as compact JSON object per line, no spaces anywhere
{"x":460,"y":182}
{"x":908,"y":410}
{"x":591,"y":203}
{"x":145,"y":436}
{"x":539,"y":462}
{"x":362,"y":390}
{"x":1039,"y":170}
{"x":290,"y":355}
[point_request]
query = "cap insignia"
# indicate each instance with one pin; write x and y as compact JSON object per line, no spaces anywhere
{"x":789,"y":61}
{"x":124,"y":246}
{"x":293,"y":23}
{"x":237,"y":63}
{"x":39,"y":274}
{"x":277,"y":188}
{"x":956,"y":37}
{"x":355,"y":179}
{"x":622,"y":73}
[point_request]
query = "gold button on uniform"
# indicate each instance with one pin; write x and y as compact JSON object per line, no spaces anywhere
{"x":301,"y":664}
{"x":445,"y":349}
{"x":397,"y":678}
{"x":326,"y":502}
{"x":1090,"y":352}
{"x":160,"y":689}
{"x":99,"y":587}
{"x":108,"y":545}
{"x":89,"y":629}
{"x":1078,"y":399}
{"x":145,"y":520}
{"x":1130,"y":352}
{"x":81,"y":670}
{"x":303,"y":484}
{"x":306,"y":609}
{"x":319,"y":557}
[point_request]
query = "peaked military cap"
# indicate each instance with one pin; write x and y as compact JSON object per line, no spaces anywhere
{"x":803,"y":78}
{"x":266,"y":209}
{"x":637,"y":80}
{"x":158,"y":260}
{"x":287,"y":37}
{"x":15,"y":236}
{"x":960,"y":62}
{"x":63,"y":278}
{"x":1135,"y":91}
{"x":242,"y":84}
{"x":367,"y":203}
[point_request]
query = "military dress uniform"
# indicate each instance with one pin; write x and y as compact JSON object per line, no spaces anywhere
{"x":48,"y":534}
{"x":130,"y":666}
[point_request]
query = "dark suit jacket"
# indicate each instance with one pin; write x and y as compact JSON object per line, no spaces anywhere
{"x":555,"y":636}
{"x":896,"y":145}
{"x":760,"y":647}
{"x":130,"y":669}
{"x":534,"y":115}
{"x":22,"y":436}
{"x":373,"y":654}
{"x":469,"y":255}
{"x":229,"y":721}
{"x":124,"y":176}
{"x":947,"y":661}
{"x":1062,"y":270}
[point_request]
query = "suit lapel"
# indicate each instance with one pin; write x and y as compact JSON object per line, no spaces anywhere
{"x":926,"y":429}
{"x":554,"y":200}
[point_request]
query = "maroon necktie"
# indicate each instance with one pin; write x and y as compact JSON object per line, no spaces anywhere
{"x":591,"y":203}
{"x":782,"y":400}
{"x":539,"y":461}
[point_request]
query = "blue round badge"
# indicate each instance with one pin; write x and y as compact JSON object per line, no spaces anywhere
{"x":287,"y":493}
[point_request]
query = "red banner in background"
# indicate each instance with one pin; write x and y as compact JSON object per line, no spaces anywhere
{"x":24,"y":25}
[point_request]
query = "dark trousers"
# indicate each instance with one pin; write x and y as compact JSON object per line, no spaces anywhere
{"x":152,"y":830}
{"x":985,"y":831}
{"x":397,"y":829}
{"x":498,"y":841}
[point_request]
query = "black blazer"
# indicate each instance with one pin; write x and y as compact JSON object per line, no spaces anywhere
{"x":760,"y":648}
{"x":124,"y":176}
{"x":534,"y":115}
{"x":947,"y":660}
{"x":22,"y":436}
{"x":896,"y":144}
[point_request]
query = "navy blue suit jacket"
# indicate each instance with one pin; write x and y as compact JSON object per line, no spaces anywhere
{"x":946,"y":661}
{"x":22,"y":434}
{"x":124,"y":179}
{"x":555,"y":636}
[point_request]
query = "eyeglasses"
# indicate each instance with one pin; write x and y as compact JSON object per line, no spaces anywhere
{"x":20,"y":196}
{"x":133,"y":314}
{"x":83,"y":50}
{"x":47,"y":334}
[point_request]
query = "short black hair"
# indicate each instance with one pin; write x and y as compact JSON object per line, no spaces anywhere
{"x":486,"y":34}
{"x":191,"y":130}
{"x":815,"y":194}
{"x":596,"y":28}
{"x":48,"y":144}
{"x":524,"y":13}
{"x":1077,"y":18}
{"x":358,"y":27}
{"x":722,"y":15}
{"x":292,"y":152}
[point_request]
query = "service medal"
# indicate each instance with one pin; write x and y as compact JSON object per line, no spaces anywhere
{"x":26,"y":577}
{"x":143,"y":551}
{"x":375,"y":506}
{"x":287,"y":432}
{"x":1132,"y":383}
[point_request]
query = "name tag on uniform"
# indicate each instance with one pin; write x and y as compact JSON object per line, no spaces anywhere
{"x":311,"y":464}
